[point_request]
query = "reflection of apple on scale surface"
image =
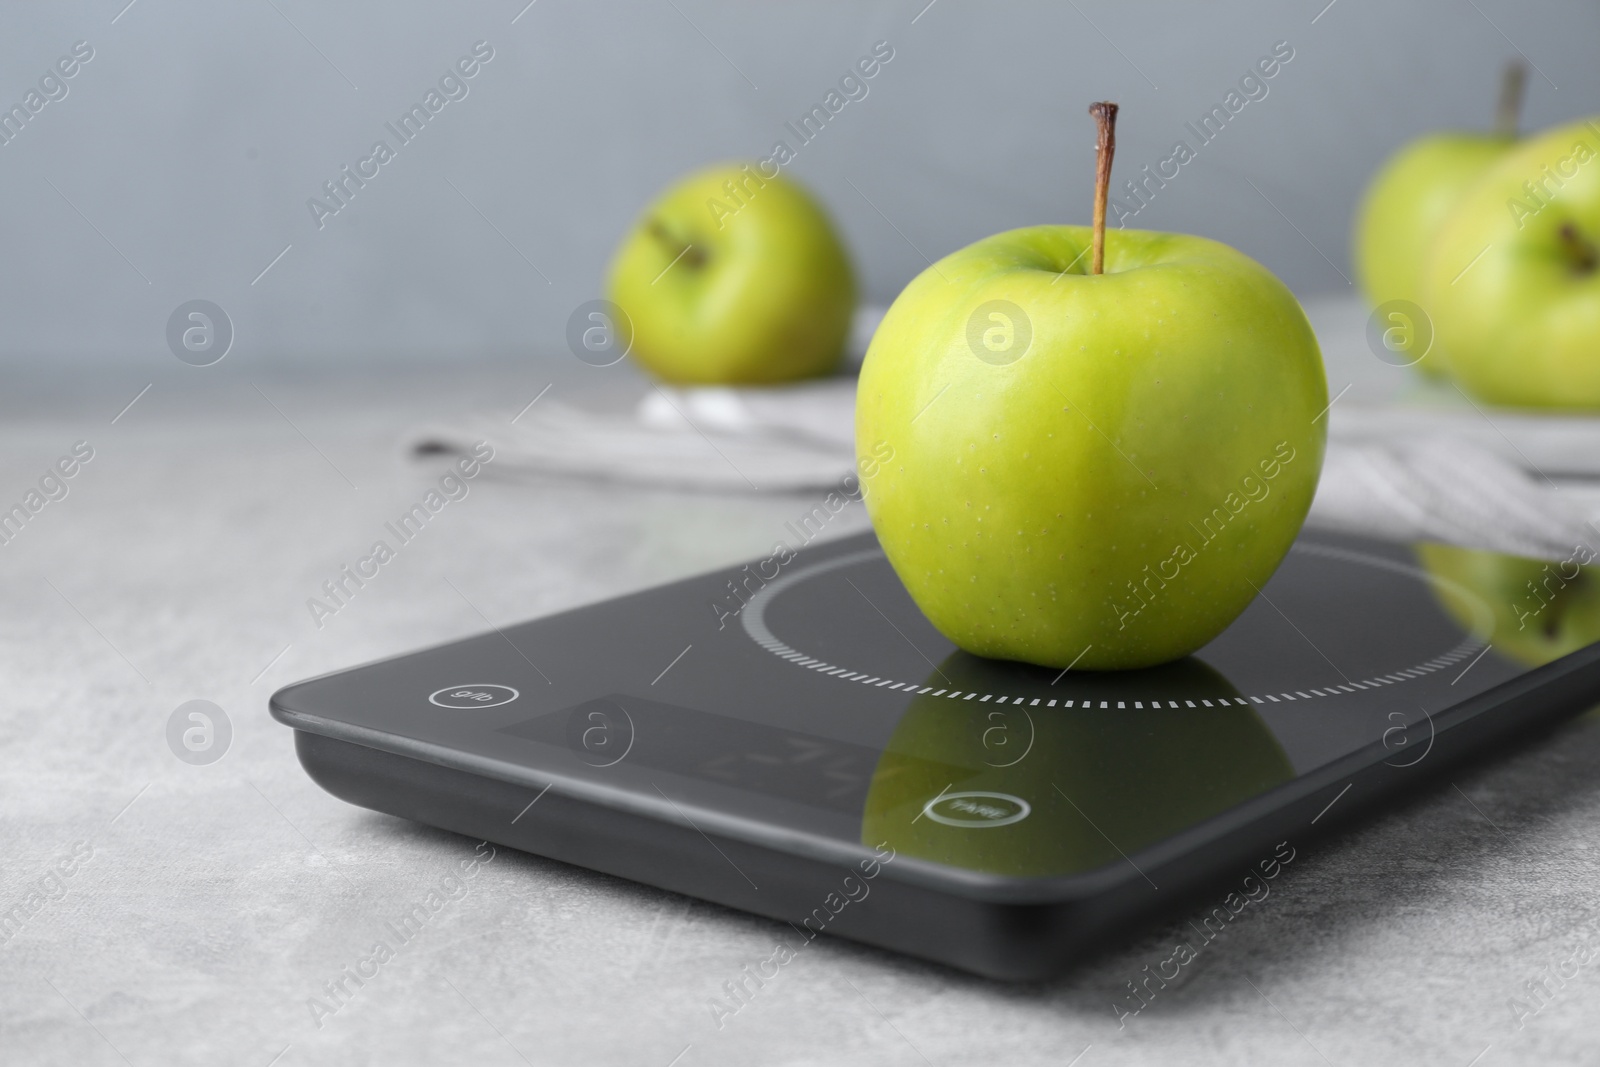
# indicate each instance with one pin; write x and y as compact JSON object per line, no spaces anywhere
{"x":1041,"y":701}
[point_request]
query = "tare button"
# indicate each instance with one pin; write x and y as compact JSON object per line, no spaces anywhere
{"x":976,"y":811}
{"x":473,"y":696}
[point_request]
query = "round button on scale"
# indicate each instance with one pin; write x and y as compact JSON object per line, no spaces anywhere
{"x":977,"y":810}
{"x":462,"y":697}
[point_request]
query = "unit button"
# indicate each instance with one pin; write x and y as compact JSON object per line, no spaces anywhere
{"x":473,"y":696}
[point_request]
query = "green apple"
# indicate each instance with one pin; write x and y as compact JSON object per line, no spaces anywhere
{"x":1512,"y":282}
{"x":1408,"y":201}
{"x":1095,"y":782}
{"x":731,"y":277}
{"x":1090,"y":469}
{"x":1540,"y":611}
{"x":1403,"y":210}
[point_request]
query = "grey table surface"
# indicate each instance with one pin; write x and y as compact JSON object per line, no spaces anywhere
{"x":216,"y":902}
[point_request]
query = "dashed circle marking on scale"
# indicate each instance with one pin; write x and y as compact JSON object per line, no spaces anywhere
{"x":753,"y":618}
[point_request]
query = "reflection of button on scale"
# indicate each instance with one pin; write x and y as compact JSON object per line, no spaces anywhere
{"x":462,"y":697}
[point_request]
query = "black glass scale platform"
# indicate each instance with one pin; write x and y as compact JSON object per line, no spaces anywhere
{"x":813,"y":750}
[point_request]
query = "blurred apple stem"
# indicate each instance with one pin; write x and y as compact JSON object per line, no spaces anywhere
{"x":1105,"y":117}
{"x":1582,"y":255}
{"x":687,"y":251}
{"x":1512,"y":82}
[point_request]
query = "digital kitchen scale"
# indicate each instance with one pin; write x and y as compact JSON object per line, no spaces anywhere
{"x":798,"y":741}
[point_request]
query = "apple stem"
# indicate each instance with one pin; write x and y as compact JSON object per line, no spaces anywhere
{"x":690,"y":253}
{"x":1512,"y":82}
{"x":1105,"y":117}
{"x":1581,"y":253}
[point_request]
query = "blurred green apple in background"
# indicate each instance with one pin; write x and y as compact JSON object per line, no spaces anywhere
{"x":1406,"y":204}
{"x":1512,"y":283}
{"x":1540,"y":611}
{"x":1035,"y":791}
{"x":731,"y":277}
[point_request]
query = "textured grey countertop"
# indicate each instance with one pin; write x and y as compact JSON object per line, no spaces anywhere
{"x":216,"y":901}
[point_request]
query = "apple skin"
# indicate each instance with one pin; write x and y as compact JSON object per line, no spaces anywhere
{"x":1140,"y":775}
{"x":1025,"y":499}
{"x":1531,"y":627}
{"x":764,"y":295}
{"x":1519,"y":325}
{"x":1404,"y":208}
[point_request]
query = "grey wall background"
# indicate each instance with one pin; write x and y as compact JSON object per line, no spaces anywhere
{"x":180,"y":162}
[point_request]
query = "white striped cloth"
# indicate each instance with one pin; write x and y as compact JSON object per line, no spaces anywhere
{"x":1523,"y":484}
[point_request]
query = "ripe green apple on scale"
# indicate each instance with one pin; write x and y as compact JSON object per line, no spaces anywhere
{"x":1096,"y":464}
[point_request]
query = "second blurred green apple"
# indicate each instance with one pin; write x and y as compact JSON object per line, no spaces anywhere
{"x":1513,"y":283}
{"x":734,"y":278}
{"x":1408,"y":202}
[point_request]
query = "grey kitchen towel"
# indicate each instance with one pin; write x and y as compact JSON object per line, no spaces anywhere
{"x":1523,"y":484}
